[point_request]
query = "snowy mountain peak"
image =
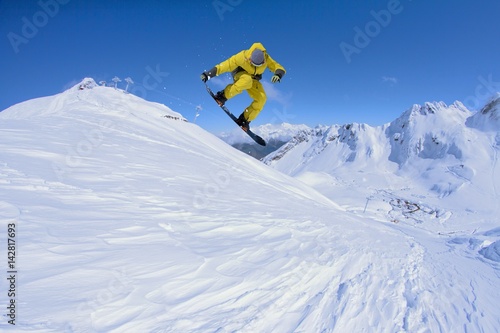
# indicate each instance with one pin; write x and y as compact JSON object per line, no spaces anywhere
{"x":86,"y":83}
{"x":280,"y":132}
{"x":434,"y":109}
{"x":492,"y":109}
{"x":421,"y":130}
{"x":87,"y":95}
{"x":488,"y":119}
{"x":460,"y":106}
{"x":493,"y":105}
{"x":431,"y":107}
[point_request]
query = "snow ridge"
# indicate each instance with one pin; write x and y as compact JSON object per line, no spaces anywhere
{"x":488,"y":118}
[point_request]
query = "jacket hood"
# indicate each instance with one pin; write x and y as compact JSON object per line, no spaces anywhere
{"x":254,"y":46}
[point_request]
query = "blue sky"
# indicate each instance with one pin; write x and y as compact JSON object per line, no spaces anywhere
{"x":346,"y":61}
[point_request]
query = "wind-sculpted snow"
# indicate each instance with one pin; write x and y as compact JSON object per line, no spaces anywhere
{"x":130,"y":219}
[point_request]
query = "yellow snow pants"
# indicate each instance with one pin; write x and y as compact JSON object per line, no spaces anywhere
{"x":244,"y":81}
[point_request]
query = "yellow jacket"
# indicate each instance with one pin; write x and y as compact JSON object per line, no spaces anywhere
{"x":241,"y":62}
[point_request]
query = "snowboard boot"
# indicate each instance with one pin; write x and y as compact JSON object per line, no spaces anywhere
{"x":220,"y":98}
{"x":243,"y":123}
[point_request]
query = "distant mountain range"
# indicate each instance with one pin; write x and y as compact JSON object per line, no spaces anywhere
{"x":276,"y":135}
{"x":434,"y":147}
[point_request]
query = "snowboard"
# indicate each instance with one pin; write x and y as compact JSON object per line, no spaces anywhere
{"x":251,"y":134}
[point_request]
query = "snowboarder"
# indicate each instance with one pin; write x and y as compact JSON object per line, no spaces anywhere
{"x":246,"y":68}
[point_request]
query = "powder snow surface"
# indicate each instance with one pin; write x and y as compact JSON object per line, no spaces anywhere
{"x":130,"y":219}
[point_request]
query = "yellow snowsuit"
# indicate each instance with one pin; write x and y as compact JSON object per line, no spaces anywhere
{"x":246,"y":76}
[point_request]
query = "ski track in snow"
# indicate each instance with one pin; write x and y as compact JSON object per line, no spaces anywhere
{"x":146,"y":224}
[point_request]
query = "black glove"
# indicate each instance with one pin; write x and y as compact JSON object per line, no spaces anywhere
{"x":205,"y":76}
{"x":277,"y":76}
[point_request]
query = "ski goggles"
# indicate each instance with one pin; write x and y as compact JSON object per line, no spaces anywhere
{"x":257,"y":65}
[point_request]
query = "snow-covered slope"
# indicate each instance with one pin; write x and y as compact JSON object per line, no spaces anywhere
{"x":130,"y":219}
